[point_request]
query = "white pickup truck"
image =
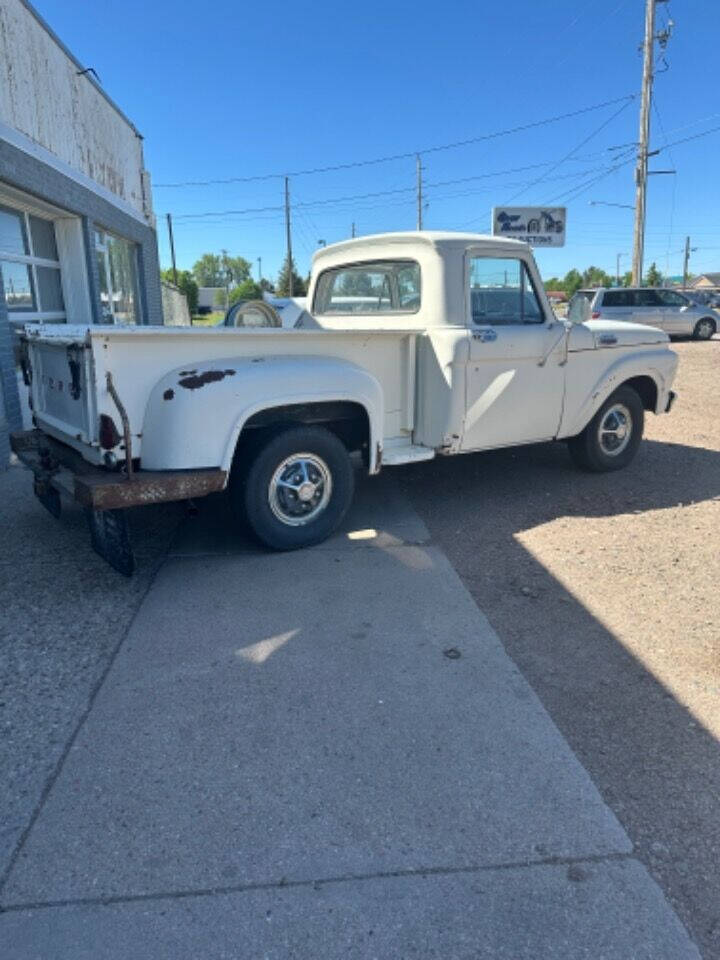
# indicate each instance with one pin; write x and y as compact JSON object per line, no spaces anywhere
{"x":409,"y":345}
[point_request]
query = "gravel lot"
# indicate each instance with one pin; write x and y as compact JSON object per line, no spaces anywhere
{"x":606,"y":592}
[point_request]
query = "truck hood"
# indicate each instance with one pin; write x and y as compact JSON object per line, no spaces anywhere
{"x":624,"y":334}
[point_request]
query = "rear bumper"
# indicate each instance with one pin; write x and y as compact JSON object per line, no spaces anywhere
{"x":62,"y":468}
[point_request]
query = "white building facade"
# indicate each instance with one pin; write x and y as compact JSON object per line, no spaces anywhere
{"x":77,"y":230}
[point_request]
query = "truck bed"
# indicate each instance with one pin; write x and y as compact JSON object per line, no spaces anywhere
{"x":70,"y":366}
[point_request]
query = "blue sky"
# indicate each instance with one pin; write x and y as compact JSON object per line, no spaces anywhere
{"x":227,"y":90}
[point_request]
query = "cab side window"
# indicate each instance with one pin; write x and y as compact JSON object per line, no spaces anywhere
{"x":502,"y":293}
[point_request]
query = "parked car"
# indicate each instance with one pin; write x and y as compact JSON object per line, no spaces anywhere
{"x":409,"y":346}
{"x":668,"y":310}
{"x":708,"y":298}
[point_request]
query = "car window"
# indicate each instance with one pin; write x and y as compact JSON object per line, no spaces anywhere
{"x":502,"y":293}
{"x":671,"y":299}
{"x":391,"y":286}
{"x":646,"y":298}
{"x":616,"y":298}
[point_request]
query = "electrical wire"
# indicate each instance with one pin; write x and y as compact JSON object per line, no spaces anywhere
{"x":402,"y":156}
{"x":582,"y":143}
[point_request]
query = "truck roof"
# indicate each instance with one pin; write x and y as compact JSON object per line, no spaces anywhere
{"x":415,"y":238}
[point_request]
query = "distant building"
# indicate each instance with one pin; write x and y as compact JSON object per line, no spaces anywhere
{"x":707,"y":280}
{"x":77,"y":231}
{"x":557,"y":296}
{"x":211,"y":298}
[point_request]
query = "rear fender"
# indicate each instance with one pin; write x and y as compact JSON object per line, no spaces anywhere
{"x":659,"y":365}
{"x":195,"y":414}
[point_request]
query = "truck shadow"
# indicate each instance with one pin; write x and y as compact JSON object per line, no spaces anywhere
{"x":656,"y":766}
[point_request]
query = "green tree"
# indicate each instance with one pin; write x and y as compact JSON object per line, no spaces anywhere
{"x":247,"y":290}
{"x":653,"y":278}
{"x":596,"y":277}
{"x":185,"y":284}
{"x":554,"y":283}
{"x":219,"y":270}
{"x":266,"y":285}
{"x":298,"y":284}
{"x":626,"y":279}
{"x":572,"y":282}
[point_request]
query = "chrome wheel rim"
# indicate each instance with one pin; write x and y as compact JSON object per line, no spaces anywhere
{"x":300,"y":489}
{"x":706,"y":329}
{"x":615,"y":430}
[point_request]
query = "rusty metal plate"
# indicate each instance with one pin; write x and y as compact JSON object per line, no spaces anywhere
{"x":102,"y":489}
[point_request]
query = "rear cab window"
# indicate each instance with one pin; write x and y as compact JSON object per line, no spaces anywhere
{"x":387,"y":286}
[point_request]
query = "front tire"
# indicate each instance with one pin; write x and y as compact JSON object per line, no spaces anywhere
{"x":704,"y":329}
{"x":611,"y":439}
{"x":298,"y":488}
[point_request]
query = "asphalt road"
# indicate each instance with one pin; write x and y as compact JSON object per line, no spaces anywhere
{"x":605,"y":591}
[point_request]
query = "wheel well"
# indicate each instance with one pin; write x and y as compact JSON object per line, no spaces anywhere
{"x":646,"y":389}
{"x":347,"y":420}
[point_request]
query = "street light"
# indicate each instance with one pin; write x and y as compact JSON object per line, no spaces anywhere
{"x":617,"y":266}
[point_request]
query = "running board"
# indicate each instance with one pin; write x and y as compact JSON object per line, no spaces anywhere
{"x":410,"y":453}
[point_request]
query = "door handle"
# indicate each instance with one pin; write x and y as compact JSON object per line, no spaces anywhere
{"x":485,"y":336}
{"x":607,"y":339}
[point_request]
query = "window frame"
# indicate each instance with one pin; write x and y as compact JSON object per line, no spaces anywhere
{"x":404,"y":261}
{"x":33,"y":314}
{"x":101,"y":247}
{"x":474,"y":254}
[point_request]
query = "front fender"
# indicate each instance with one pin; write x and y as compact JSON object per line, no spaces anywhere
{"x":194,"y":415}
{"x":658,"y":364}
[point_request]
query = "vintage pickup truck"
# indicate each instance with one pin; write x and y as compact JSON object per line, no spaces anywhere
{"x":409,"y":345}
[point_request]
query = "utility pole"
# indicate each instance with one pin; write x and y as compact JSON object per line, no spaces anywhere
{"x":686,"y":261}
{"x":418,"y":166}
{"x":617,"y":268}
{"x":641,"y":167}
{"x":352,"y":229}
{"x":172,"y":249}
{"x":259,"y":263}
{"x":288,"y":238}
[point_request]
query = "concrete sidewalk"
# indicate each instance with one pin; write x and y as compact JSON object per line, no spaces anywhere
{"x":323,"y":754}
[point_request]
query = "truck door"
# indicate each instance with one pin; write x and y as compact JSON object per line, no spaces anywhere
{"x":516,"y":374}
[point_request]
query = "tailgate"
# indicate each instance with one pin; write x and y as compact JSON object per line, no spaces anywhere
{"x":62,"y":385}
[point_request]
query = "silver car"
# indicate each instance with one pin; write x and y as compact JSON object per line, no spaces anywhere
{"x":669,"y":310}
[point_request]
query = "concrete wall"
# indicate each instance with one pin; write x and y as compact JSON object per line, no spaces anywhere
{"x":176,"y":312}
{"x":43,"y":97}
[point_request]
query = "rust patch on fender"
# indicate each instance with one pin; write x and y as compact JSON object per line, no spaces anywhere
{"x":210,"y":376}
{"x":168,"y":395}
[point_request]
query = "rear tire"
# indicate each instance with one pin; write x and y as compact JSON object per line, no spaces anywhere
{"x":705,"y":329}
{"x":611,"y":439}
{"x":298,"y":488}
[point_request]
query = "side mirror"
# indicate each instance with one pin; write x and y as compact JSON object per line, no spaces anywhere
{"x":579,"y":309}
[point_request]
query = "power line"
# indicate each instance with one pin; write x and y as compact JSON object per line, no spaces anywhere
{"x":574,"y":150}
{"x":402,"y":156}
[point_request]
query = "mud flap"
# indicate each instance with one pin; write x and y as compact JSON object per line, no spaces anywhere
{"x":48,"y":497}
{"x":110,"y":538}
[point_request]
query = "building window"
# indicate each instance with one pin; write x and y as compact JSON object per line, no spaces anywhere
{"x":30,"y":267}
{"x":117,"y":275}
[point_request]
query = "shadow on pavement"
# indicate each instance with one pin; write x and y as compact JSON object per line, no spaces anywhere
{"x":657,"y":768}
